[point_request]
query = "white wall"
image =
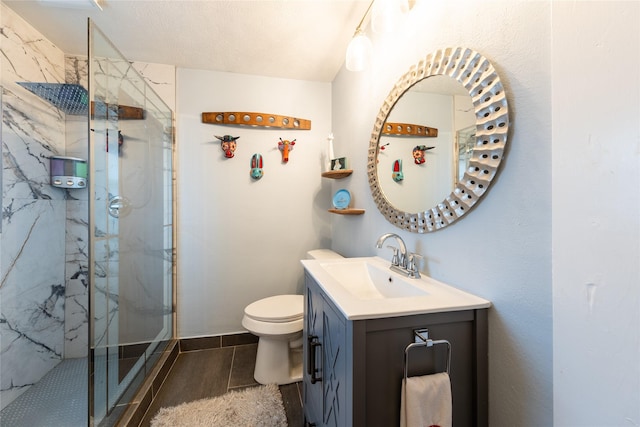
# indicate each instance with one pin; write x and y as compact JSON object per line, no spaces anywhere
{"x":502,"y":250}
{"x":596,"y":213}
{"x":239,"y":239}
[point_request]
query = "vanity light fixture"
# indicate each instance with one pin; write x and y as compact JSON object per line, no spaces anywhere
{"x":359,"y":49}
{"x":74,"y":4}
{"x":385,"y":14}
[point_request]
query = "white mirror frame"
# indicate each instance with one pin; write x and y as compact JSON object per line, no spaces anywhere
{"x":478,"y":76}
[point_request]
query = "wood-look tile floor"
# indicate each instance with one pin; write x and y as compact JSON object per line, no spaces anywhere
{"x":209,"y":373}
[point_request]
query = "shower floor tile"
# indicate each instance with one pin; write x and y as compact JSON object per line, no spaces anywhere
{"x":58,"y":399}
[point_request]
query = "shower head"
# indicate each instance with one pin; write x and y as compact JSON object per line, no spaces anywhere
{"x":70,"y":98}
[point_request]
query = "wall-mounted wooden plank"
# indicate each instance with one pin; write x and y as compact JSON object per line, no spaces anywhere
{"x":409,"y":129}
{"x":124,"y":112}
{"x":256,"y":119}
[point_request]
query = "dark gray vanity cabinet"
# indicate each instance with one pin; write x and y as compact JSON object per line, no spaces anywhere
{"x":325,"y":362}
{"x":353,"y":369}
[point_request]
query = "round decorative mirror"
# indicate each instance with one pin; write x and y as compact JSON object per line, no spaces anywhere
{"x":438,"y":140}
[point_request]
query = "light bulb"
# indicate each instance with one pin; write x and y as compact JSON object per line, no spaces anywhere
{"x":358,"y":52}
{"x":386,"y":15}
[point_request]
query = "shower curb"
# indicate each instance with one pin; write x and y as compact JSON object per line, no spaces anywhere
{"x":135,"y":411}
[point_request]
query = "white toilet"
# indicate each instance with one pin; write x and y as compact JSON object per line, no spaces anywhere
{"x":277,"y":321}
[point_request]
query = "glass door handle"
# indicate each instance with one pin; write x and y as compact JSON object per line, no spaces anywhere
{"x":115,"y":204}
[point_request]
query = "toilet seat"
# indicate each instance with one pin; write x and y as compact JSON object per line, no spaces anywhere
{"x":276,"y":309}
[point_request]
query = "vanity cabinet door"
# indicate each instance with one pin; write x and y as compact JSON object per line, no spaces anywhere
{"x":334,"y":361}
{"x":325,"y":361}
{"x":312,"y":346}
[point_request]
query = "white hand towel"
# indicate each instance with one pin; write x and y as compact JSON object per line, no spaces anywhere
{"x":426,"y":401}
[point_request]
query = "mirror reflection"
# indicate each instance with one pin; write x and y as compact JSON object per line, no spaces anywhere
{"x":430,"y":165}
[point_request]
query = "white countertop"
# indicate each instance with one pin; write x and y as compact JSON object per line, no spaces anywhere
{"x":440,"y":297}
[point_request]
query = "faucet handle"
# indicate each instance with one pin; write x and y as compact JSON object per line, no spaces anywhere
{"x":394,"y":260}
{"x":412,"y":267}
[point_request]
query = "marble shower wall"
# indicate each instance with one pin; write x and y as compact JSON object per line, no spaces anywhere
{"x":76,"y":309}
{"x":32,"y":266}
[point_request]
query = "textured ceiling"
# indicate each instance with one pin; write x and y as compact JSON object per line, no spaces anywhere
{"x":295,"y":39}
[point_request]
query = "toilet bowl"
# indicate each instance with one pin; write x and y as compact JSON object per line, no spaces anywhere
{"x":277,"y":322}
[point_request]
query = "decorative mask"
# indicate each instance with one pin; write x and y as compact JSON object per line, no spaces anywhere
{"x":256,"y":166}
{"x":286,"y":146}
{"x":418,"y":153}
{"x":228,"y":145}
{"x":397,"y":174}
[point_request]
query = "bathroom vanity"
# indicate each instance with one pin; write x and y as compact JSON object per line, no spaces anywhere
{"x":355,"y":339}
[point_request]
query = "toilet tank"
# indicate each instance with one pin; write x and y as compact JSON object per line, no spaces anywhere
{"x":323,"y":254}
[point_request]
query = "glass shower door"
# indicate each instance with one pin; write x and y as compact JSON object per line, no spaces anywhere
{"x":131,"y":147}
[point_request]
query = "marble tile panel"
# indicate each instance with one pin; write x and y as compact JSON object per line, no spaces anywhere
{"x":26,"y":159}
{"x":76,"y":69}
{"x":161,"y":78}
{"x":32,"y":239}
{"x":77,"y":279}
{"x":33,"y":129}
{"x":31,"y":293}
{"x":77,"y":142}
{"x":27,"y":54}
{"x":105,"y":312}
{"x":77,"y":226}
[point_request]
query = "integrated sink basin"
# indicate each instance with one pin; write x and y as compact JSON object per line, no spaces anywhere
{"x":367,"y":280}
{"x":366,"y":288}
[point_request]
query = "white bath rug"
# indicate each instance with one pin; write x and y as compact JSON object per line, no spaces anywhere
{"x":259,"y":406}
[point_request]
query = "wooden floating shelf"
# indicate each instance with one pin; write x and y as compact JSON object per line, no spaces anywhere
{"x":256,"y":119}
{"x":409,"y":129}
{"x":124,"y":112}
{"x":347,"y":211}
{"x":337,"y":174}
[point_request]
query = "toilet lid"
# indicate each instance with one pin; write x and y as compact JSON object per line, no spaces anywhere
{"x":280,"y":308}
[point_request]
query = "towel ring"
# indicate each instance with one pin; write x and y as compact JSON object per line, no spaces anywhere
{"x":421,"y":339}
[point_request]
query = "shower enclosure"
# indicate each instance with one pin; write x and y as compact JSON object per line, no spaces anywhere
{"x":87,"y":289}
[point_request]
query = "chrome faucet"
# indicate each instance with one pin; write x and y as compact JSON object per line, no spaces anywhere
{"x":398,"y":259}
{"x":401,"y":262}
